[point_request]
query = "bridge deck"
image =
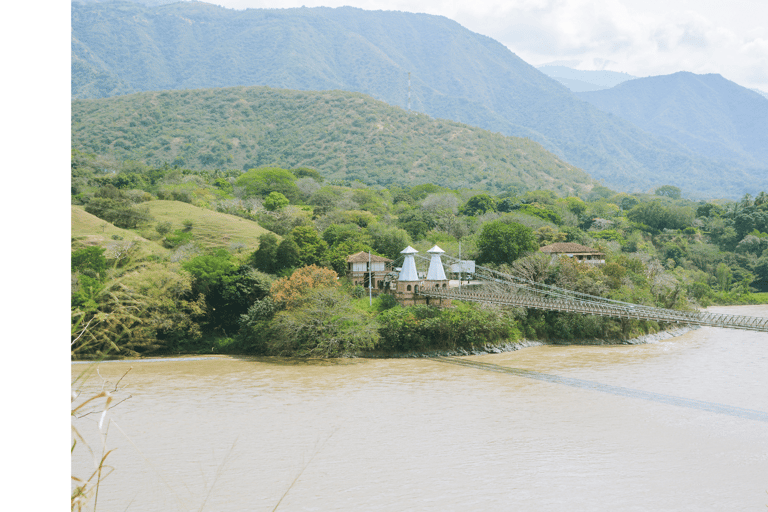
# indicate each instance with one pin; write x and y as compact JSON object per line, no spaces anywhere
{"x":509,"y":290}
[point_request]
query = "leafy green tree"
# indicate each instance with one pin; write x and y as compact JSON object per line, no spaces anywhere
{"x":500,"y":242}
{"x":507,"y":204}
{"x":668,"y":191}
{"x":288,"y":255}
{"x":311,"y":246}
{"x":388,"y":241}
{"x":275,"y":201}
{"x":90,"y":261}
{"x":659,"y":216}
{"x":709,"y":210}
{"x":208,"y":270}
{"x":325,"y":200}
{"x":416,"y":222}
{"x":478,"y":205}
{"x":163,"y":228}
{"x":724,"y":277}
{"x":576,"y":205}
{"x":265,"y":257}
{"x":761,"y":273}
{"x":539,"y":196}
{"x":306,"y":172}
{"x":337,"y":233}
{"x":260,"y":182}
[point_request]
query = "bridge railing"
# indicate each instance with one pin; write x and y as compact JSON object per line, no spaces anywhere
{"x":601,"y":309}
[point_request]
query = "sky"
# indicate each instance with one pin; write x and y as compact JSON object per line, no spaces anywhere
{"x":639,"y":37}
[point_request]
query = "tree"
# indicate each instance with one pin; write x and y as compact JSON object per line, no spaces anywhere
{"x":659,"y":216}
{"x":260,"y":182}
{"x":275,"y":201}
{"x":324,"y":324}
{"x":388,"y":241}
{"x":288,"y":255}
{"x":208,"y":270}
{"x":291,"y":290}
{"x":724,"y":277}
{"x":668,"y":191}
{"x":311,"y":246}
{"x":90,"y":261}
{"x":478,"y":205}
{"x":265,"y":257}
{"x":501,"y":242}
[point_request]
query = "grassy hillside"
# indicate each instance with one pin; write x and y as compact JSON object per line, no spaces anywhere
{"x":705,"y":113}
{"x":89,"y":230}
{"x":121,"y":47}
{"x":210,"y":229}
{"x":345,"y":136}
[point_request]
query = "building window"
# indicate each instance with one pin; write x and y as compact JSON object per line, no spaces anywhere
{"x":409,"y":288}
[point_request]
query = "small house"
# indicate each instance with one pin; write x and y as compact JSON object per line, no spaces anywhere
{"x":577,"y":251}
{"x":361,"y":274}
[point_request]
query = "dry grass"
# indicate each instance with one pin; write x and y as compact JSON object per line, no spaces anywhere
{"x":90,"y":230}
{"x":210,"y":229}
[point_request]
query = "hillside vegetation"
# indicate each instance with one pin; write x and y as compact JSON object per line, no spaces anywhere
{"x":121,"y":47}
{"x":167,"y":260}
{"x":344,"y":136}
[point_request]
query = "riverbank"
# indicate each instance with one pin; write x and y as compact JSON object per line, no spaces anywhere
{"x":489,"y":349}
{"x":518,"y":345}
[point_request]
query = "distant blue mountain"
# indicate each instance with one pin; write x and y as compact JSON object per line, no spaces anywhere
{"x":583,"y":81}
{"x":707,"y":114}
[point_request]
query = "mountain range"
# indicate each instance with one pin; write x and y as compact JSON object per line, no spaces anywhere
{"x":732,"y":127}
{"x":121,"y":47}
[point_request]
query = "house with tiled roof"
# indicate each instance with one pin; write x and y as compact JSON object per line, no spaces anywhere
{"x":576,"y":251}
{"x":361,"y":273}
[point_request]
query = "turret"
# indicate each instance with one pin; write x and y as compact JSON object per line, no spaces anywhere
{"x":436,"y":272}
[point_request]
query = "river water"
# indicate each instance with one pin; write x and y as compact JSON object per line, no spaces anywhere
{"x":680,"y":424}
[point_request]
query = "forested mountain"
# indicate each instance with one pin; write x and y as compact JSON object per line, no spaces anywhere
{"x":345,"y":136}
{"x":705,"y":113}
{"x":122,"y":47}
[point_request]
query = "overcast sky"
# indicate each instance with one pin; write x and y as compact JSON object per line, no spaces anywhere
{"x":639,"y":37}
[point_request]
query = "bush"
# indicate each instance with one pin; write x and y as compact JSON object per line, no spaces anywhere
{"x":325,"y":324}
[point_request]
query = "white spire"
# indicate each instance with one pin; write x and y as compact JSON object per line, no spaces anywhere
{"x":436,"y":272}
{"x":408,"y":273}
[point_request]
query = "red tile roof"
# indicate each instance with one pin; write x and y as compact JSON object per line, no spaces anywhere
{"x":362,"y":257}
{"x":569,"y":248}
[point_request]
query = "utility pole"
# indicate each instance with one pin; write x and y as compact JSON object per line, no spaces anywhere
{"x":409,"y":91}
{"x":370,"y":281}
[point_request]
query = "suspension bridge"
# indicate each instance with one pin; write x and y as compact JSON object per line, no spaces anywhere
{"x":493,"y":287}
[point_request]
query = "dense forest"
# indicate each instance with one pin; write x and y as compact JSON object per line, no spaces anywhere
{"x":121,"y":47}
{"x":343,"y":135}
{"x":177,"y":260}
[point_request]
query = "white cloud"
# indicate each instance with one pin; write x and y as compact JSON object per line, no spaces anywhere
{"x":640,"y":37}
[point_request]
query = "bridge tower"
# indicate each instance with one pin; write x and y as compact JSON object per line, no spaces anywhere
{"x":436,"y":275}
{"x":408,"y":280}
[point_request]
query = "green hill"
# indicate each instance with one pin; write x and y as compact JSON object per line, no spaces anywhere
{"x":121,"y":47}
{"x":209,"y":229}
{"x":345,"y":136}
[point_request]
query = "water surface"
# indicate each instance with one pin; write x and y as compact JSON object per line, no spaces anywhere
{"x":230,"y":434}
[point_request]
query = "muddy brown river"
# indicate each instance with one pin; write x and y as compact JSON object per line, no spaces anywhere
{"x":681,"y":424}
